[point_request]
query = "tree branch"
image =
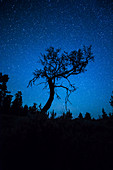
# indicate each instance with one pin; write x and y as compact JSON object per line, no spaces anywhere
{"x":68,"y":92}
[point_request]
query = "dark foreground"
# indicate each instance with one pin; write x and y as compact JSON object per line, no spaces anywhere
{"x":28,"y":143}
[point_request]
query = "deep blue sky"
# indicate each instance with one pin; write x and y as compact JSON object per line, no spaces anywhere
{"x":28,"y":27}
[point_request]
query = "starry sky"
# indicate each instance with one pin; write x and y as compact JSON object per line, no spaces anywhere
{"x":28,"y":27}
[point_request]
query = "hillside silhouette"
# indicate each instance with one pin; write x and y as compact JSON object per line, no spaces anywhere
{"x":30,"y":138}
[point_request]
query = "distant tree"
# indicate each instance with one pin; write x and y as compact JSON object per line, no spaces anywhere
{"x":25,"y":110}
{"x":87,"y":116}
{"x":80,"y":116}
{"x":17,"y":103}
{"x":33,"y":109}
{"x":111,"y":115}
{"x":104,"y":115}
{"x":7,"y":104}
{"x":93,"y":119}
{"x":5,"y":100}
{"x":56,"y":67}
{"x":111,"y":103}
{"x":111,"y":100}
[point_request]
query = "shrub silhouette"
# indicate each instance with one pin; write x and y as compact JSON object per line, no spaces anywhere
{"x":68,"y":115}
{"x":56,"y":67}
{"x":87,"y":116}
{"x":80,"y":116}
{"x":53,"y":115}
{"x":33,"y":109}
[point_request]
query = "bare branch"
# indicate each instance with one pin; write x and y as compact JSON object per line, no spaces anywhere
{"x":72,"y":85}
{"x":67,"y":100}
{"x":58,"y":97}
{"x":62,"y":87}
{"x":68,"y":92}
{"x":45,"y":86}
{"x":41,"y":83}
{"x":31,"y":82}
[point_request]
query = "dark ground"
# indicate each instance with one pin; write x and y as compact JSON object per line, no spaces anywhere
{"x":55,"y":144}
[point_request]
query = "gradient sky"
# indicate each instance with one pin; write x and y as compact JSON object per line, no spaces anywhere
{"x":28,"y":27}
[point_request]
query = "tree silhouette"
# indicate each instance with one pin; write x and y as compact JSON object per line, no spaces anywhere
{"x":5,"y":100}
{"x":87,"y":116}
{"x":25,"y":110}
{"x":56,"y":67}
{"x":111,"y":103}
{"x":33,"y":109}
{"x":17,"y":104}
{"x":80,"y":116}
{"x":104,"y":115}
{"x":111,"y":100}
{"x":7,"y":104}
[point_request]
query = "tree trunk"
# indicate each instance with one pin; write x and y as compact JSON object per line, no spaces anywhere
{"x":51,"y":97}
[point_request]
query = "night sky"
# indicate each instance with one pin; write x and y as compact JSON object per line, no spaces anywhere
{"x":28,"y":27}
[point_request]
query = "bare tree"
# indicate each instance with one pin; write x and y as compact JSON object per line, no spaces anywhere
{"x":56,"y":66}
